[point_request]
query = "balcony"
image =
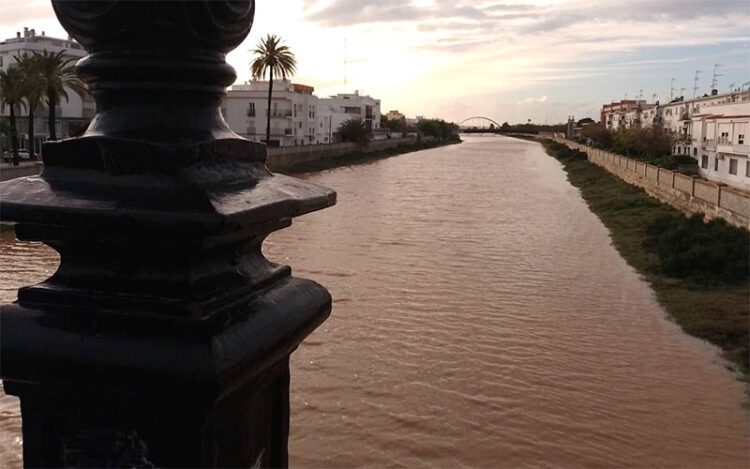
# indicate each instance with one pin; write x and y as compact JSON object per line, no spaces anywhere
{"x":709,"y":144}
{"x":283,"y":113}
{"x":727,"y":146}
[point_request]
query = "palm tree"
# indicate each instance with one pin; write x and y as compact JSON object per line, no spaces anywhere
{"x":271,"y":56}
{"x":354,"y":130}
{"x":11,"y":95}
{"x":52,"y":75}
{"x":32,"y":93}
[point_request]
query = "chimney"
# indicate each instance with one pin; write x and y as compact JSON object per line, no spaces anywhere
{"x":33,"y":33}
{"x":25,"y":32}
{"x":18,"y":34}
{"x":714,"y":92}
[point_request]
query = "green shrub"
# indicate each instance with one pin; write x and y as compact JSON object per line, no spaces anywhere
{"x":710,"y":253}
{"x":673,"y":161}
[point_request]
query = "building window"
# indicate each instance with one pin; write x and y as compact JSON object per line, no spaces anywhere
{"x":732,"y":166}
{"x":1,"y":60}
{"x":704,"y":162}
{"x":695,"y":152}
{"x":251,"y":110}
{"x":747,"y":169}
{"x":716,"y":164}
{"x":740,"y":137}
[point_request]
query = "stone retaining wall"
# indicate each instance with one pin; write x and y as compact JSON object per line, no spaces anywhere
{"x":285,"y":158}
{"x":688,"y":194}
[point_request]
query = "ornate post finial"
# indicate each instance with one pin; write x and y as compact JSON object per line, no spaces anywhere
{"x":157,"y":69}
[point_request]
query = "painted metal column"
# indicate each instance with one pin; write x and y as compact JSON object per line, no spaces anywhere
{"x":164,"y":337}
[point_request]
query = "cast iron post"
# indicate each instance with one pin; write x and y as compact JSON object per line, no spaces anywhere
{"x":164,"y":337}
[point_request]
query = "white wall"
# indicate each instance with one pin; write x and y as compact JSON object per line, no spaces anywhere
{"x":722,"y":155}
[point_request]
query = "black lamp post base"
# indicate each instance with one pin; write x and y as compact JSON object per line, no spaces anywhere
{"x":75,"y":427}
{"x":111,"y":396}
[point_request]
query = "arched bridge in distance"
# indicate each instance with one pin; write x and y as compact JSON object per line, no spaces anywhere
{"x":479,"y":124}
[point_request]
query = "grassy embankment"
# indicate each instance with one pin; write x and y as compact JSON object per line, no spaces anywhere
{"x":360,"y":157}
{"x":699,"y":271}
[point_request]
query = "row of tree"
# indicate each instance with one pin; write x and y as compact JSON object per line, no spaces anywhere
{"x":355,"y":130}
{"x":652,"y":144}
{"x":648,"y":142}
{"x":34,"y":81}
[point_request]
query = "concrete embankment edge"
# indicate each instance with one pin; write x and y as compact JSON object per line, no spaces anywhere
{"x":8,"y":172}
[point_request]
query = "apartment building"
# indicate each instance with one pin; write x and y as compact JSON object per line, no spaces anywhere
{"x":617,"y":115}
{"x":394,"y":115}
{"x":298,"y":117}
{"x":294,"y":113}
{"x":713,"y":129}
{"x":719,"y":141}
{"x":345,"y":106}
{"x":72,"y":113}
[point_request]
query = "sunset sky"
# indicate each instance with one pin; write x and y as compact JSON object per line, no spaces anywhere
{"x":508,"y":60}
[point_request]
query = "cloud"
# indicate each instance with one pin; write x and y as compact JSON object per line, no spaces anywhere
{"x":532,"y":100}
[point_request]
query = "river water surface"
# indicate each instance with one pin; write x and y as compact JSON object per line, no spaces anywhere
{"x":481,"y":318}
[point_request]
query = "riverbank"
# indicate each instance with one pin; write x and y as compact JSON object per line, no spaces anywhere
{"x":360,"y":157}
{"x":698,"y":270}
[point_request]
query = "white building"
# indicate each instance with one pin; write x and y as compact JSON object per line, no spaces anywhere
{"x":713,"y":129}
{"x":298,"y":117}
{"x":294,"y":113}
{"x":71,"y":114}
{"x":344,"y":106}
{"x":719,"y":141}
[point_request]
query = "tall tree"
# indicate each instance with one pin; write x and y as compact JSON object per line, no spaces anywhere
{"x":53,"y":76}
{"x":272,"y":57}
{"x":32,"y":94}
{"x":11,"y":95}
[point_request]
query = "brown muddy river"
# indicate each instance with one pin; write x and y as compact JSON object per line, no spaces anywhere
{"x":481,"y":318}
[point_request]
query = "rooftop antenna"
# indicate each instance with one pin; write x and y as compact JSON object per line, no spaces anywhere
{"x":671,"y":89}
{"x":715,"y":80}
{"x":695,"y":83}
